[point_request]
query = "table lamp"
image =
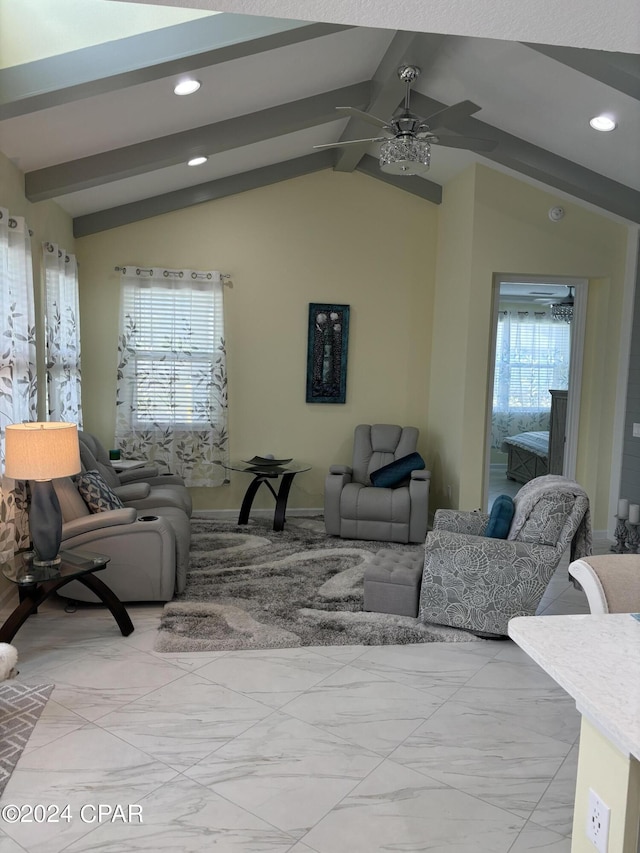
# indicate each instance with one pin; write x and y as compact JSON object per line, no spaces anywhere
{"x":41,"y":452}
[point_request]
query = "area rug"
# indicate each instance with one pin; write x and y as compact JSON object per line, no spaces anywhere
{"x":20,"y":709}
{"x":252,"y":588}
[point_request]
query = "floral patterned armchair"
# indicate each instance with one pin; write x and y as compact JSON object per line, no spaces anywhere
{"x":477,"y":583}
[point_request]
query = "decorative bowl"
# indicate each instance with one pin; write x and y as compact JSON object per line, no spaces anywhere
{"x":265,"y":462}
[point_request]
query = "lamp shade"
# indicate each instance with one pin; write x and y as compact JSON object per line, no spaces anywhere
{"x":41,"y":450}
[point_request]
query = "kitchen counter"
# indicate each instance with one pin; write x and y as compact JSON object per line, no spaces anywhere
{"x":596,"y":659}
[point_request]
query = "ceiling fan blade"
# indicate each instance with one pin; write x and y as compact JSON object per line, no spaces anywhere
{"x":351,"y":142}
{"x":451,"y":114}
{"x":352,"y":111}
{"x":466,"y":142}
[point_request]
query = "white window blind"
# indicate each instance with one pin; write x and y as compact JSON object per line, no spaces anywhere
{"x":176,"y":331}
{"x":532,"y":356}
{"x":172,"y":383}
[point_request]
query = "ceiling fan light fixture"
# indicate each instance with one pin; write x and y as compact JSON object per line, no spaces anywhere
{"x":562,"y":311}
{"x":405,"y":156}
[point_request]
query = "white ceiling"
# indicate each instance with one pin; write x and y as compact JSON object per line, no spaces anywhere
{"x":149,"y":110}
{"x":582,"y":23}
{"x":65,"y":114}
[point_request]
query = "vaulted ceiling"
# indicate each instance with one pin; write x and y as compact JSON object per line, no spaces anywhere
{"x":100,"y":131}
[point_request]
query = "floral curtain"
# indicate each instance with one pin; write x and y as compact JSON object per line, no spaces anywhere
{"x":532,"y":356}
{"x":62,"y":335}
{"x":172,"y":378}
{"x":18,"y":386}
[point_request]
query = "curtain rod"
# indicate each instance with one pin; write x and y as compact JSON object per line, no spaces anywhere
{"x":224,"y":276}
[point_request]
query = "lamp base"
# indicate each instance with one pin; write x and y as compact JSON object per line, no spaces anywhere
{"x":45,"y":523}
{"x":53,"y":562}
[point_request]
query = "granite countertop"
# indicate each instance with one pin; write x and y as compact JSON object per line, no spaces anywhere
{"x":596,"y":659}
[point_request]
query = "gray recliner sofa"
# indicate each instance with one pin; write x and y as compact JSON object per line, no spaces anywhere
{"x":356,"y":509}
{"x":148,"y":549}
{"x":141,"y":488}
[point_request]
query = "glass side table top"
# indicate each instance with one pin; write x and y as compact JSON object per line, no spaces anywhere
{"x":20,"y":569}
{"x":268,"y":470}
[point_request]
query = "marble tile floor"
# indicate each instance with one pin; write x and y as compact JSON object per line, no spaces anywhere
{"x":464,"y":747}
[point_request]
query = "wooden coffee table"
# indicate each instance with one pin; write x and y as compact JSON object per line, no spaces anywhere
{"x":36,"y":583}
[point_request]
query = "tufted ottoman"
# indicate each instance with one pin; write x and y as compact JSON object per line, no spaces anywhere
{"x":392,"y":582}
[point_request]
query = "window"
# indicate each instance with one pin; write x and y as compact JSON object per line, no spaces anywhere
{"x":175,"y":335}
{"x":172,"y":387}
{"x":532,"y":356}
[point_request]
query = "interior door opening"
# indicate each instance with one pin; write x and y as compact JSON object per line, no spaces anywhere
{"x":534,"y":387}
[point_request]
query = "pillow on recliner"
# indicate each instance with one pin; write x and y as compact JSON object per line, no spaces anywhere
{"x":500,"y":518}
{"x":397,"y":472}
{"x":97,"y":495}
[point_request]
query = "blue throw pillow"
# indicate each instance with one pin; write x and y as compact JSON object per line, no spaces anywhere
{"x":397,"y":472}
{"x":500,"y":518}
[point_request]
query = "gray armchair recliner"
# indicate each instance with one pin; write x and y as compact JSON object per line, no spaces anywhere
{"x":356,"y":509}
{"x":478,"y":583}
{"x":150,"y":472}
{"x":141,"y":488}
{"x":148,"y":549}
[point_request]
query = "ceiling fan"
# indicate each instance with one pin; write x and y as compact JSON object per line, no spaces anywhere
{"x":561,"y":308}
{"x":406,"y":150}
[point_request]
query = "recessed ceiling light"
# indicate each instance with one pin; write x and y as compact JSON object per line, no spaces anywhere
{"x":186,"y":87}
{"x":604,"y":123}
{"x":197,"y":161}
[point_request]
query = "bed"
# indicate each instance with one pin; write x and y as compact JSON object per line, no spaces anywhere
{"x":528,"y":455}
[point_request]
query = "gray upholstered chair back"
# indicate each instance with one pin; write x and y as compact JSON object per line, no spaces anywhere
{"x":97,"y":448}
{"x":90,"y":462}
{"x":376,"y":445}
{"x":574,"y":519}
{"x":558,"y":514}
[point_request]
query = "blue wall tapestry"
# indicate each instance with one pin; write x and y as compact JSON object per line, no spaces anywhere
{"x":327,"y":353}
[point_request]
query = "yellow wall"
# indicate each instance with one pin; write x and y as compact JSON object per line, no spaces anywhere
{"x":445,"y":418}
{"x":512,"y":233}
{"x":419,"y":281}
{"x":615,"y":777}
{"x":326,"y":237}
{"x":47,"y":220}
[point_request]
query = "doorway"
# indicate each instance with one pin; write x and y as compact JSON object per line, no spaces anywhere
{"x":535,"y":378}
